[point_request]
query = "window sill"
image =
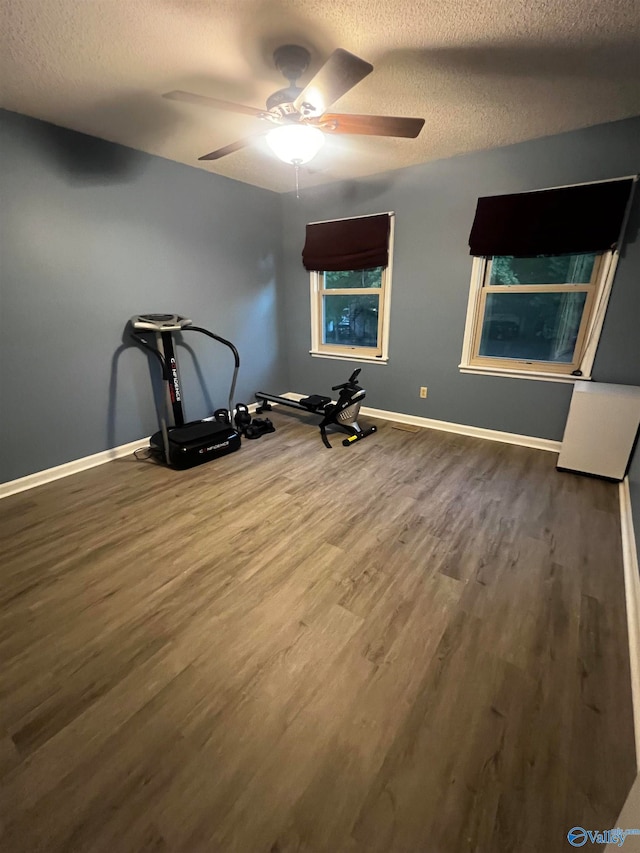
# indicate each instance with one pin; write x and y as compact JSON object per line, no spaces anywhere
{"x":522,"y":374}
{"x":339,"y":357}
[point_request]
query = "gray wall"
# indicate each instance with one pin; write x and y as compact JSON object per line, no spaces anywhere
{"x":434,"y":205}
{"x":92,"y":233}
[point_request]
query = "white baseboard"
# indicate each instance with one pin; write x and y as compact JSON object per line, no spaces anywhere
{"x":39,"y":478}
{"x":632,"y":594}
{"x":460,"y":429}
{"x":68,"y":468}
{"x":463,"y":429}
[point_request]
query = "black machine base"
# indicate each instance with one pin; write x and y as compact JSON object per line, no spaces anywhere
{"x":195,"y":443}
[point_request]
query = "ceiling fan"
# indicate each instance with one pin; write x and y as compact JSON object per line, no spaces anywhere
{"x":299,"y":117}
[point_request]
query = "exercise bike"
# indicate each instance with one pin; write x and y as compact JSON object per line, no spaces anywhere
{"x":343,"y":413}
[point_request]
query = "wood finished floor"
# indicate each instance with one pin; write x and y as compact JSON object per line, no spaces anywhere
{"x":414,"y":644}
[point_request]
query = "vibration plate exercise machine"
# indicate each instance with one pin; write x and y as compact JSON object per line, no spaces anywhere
{"x":343,"y":413}
{"x":178,"y":443}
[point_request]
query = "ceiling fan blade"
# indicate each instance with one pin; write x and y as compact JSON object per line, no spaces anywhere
{"x":341,"y":72}
{"x":364,"y":125}
{"x":230,"y":149}
{"x":204,"y":100}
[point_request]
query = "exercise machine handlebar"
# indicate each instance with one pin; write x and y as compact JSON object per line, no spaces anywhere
{"x":236,"y":358}
{"x":350,"y":381}
{"x":167,"y":323}
{"x":215,"y":337}
{"x":156,"y":352}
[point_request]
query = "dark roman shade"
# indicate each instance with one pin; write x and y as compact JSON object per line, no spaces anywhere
{"x":570,"y":220}
{"x":347,"y":244}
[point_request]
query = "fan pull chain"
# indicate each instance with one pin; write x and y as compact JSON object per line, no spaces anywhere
{"x":296,"y":166}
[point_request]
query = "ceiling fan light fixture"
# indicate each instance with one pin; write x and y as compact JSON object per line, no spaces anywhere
{"x":295,"y":144}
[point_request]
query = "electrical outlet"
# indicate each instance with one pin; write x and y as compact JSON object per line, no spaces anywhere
{"x":423,"y":392}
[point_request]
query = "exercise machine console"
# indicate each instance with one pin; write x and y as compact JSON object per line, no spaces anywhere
{"x":179,"y":443}
{"x":343,"y":413}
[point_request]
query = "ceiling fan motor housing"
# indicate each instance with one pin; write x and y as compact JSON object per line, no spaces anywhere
{"x":284,"y":98}
{"x":292,"y":60}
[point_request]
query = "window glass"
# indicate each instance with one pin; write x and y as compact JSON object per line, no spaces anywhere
{"x":353,"y":278}
{"x":350,"y":320}
{"x":532,"y":326}
{"x":558,"y":269}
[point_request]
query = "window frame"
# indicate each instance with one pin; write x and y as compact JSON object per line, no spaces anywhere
{"x":377,"y":355}
{"x":598,"y":293}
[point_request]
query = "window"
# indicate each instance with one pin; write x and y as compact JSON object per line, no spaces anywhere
{"x":350,"y":306}
{"x":348,"y":316}
{"x":535,"y":315}
{"x":540,"y":313}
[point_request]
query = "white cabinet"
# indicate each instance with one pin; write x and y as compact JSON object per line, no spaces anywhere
{"x":601,"y":429}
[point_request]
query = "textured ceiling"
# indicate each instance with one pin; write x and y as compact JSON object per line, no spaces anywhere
{"x":482,"y":74}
